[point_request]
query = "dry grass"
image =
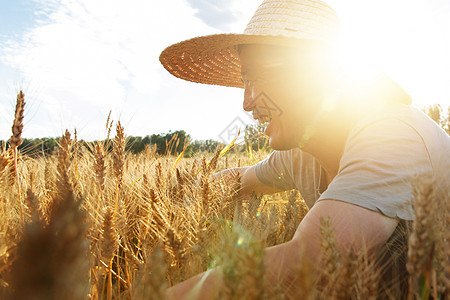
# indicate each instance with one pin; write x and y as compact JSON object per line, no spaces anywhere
{"x":111,"y":225}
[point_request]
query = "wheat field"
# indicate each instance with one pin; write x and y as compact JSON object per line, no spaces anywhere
{"x":95,"y":222}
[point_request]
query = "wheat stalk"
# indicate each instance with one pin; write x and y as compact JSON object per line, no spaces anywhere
{"x":151,"y":279}
{"x":100,"y":167}
{"x":4,"y":162}
{"x":16,"y":137}
{"x":346,"y":276}
{"x":109,"y":242}
{"x":16,"y":140}
{"x":51,"y":261}
{"x":330,"y":256}
{"x":367,"y":277}
{"x":421,"y":242}
{"x":119,"y":154}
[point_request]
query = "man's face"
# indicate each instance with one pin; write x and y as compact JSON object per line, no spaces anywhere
{"x":284,"y":90}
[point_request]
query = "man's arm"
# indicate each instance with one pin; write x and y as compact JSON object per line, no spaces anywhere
{"x":249,"y":181}
{"x":354,"y":226}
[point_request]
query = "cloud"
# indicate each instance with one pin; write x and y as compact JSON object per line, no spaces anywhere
{"x":86,"y":57}
{"x":106,"y":41}
{"x":215,"y":13}
{"x":227,"y":16}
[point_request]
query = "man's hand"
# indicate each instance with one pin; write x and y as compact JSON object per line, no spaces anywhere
{"x":249,"y":181}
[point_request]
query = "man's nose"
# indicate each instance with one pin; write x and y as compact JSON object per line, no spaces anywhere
{"x":249,"y":102}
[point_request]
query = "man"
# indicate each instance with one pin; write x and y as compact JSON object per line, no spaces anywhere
{"x":351,"y":148}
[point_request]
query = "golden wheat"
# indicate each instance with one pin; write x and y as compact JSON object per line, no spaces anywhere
{"x":111,"y":225}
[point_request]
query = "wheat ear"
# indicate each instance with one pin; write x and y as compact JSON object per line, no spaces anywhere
{"x":421,"y":240}
{"x":99,"y":166}
{"x":16,"y":140}
{"x":330,"y":257}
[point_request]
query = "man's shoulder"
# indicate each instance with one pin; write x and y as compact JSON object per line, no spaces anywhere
{"x":382,"y":156}
{"x":404,"y":127}
{"x":399,"y":117}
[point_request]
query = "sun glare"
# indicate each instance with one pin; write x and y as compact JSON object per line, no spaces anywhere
{"x":355,"y":60}
{"x":409,"y":46}
{"x":357,"y":64}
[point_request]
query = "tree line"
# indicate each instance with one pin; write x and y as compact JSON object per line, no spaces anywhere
{"x":166,"y":143}
{"x":173,"y":143}
{"x":438,"y":114}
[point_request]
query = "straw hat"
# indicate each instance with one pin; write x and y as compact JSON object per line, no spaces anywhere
{"x":214,"y":59}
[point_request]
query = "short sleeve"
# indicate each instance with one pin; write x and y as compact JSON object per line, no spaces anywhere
{"x":274,"y":170}
{"x":293,"y":169}
{"x":377,"y":168}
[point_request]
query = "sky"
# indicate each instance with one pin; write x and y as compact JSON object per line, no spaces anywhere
{"x":77,"y":60}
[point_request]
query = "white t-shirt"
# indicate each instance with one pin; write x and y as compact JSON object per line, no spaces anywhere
{"x":383,"y":155}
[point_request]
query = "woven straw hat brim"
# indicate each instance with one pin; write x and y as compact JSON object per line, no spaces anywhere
{"x":214,"y":59}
